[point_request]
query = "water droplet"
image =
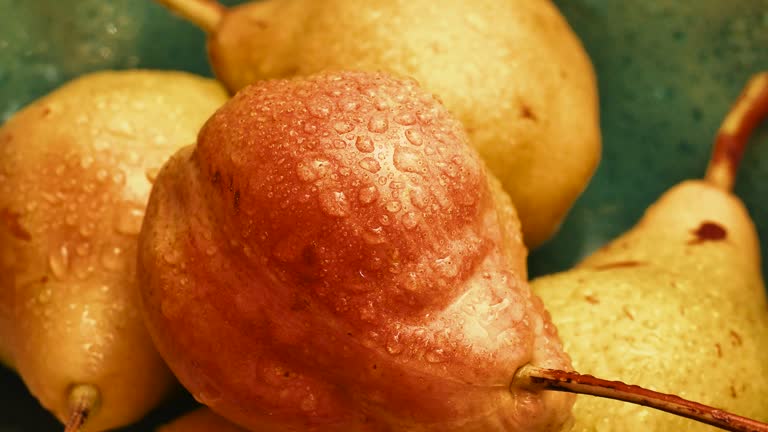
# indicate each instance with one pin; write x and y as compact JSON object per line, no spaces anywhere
{"x":87,"y":229}
{"x":349,"y":105}
{"x":378,"y":123}
{"x":133,"y":158}
{"x":82,"y":268}
{"x":407,"y":159}
{"x":121,"y":128}
{"x":374,"y":236}
{"x":343,"y":127}
{"x":50,"y":198}
{"x":309,"y":403}
{"x":102,"y":174}
{"x":172,"y":256}
{"x":160,"y":140}
{"x":405,"y":118}
{"x":370,"y":164}
{"x":414,"y":136}
{"x":211,"y":250}
{"x":334,"y":203}
{"x":393,"y":206}
{"x":58,"y":261}
{"x":410,"y":220}
{"x":118,"y":178}
{"x":128,"y":219}
{"x":86,"y":161}
{"x":83,"y":249}
{"x":447,"y":267}
{"x":320,"y":108}
{"x":364,"y":144}
{"x":381,"y":104}
{"x":368,"y":194}
{"x":112,"y":258}
{"x":394,"y":346}
{"x":435,"y":356}
{"x":45,"y":295}
{"x":311,"y":170}
{"x":367,"y":314}
{"x":384,"y":219}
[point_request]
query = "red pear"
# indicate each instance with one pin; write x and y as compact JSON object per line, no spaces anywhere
{"x":333,"y":256}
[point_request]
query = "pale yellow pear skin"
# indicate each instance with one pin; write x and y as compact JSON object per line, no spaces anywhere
{"x":512,"y":71}
{"x":677,"y":304}
{"x":75,"y":174}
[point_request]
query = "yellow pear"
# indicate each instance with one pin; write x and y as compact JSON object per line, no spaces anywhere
{"x":75,"y":174}
{"x":677,"y":303}
{"x":513,"y":72}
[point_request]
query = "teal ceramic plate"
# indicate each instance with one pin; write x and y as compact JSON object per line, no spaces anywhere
{"x":668,"y":71}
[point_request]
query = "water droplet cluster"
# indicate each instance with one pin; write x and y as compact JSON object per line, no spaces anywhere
{"x":364,"y":183}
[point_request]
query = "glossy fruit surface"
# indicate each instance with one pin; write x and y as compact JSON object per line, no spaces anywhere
{"x":333,"y":256}
{"x":667,"y":73}
{"x":75,"y":174}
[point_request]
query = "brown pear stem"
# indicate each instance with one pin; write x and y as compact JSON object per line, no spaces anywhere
{"x":83,"y":401}
{"x":535,"y":378}
{"x":748,"y":111}
{"x":206,"y":14}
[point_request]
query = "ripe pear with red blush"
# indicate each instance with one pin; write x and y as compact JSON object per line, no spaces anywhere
{"x":332,"y":256}
{"x":75,"y":174}
{"x":512,"y":71}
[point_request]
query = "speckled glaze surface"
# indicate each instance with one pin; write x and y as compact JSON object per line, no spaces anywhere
{"x":667,"y":70}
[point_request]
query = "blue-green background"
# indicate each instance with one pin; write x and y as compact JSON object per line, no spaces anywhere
{"x":668,"y":71}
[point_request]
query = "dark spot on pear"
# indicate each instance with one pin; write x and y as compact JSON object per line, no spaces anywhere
{"x":736,"y":338}
{"x":709,"y":231}
{"x":527,"y":113}
{"x":591,"y":299}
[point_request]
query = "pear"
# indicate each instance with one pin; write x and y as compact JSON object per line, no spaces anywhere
{"x":202,"y":420}
{"x":75,"y":173}
{"x":311,"y":264}
{"x":513,"y":72}
{"x":677,"y":302}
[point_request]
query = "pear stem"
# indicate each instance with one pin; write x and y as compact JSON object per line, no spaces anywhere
{"x":206,"y":14}
{"x":83,"y":401}
{"x":731,"y":140}
{"x":535,"y":378}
